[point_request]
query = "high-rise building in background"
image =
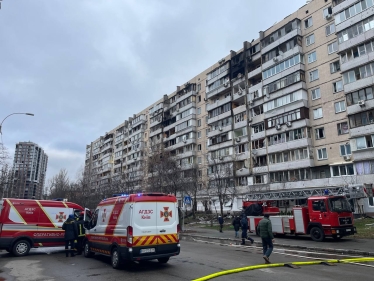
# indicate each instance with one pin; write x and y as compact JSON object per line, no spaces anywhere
{"x":30,"y":166}
{"x":293,"y":108}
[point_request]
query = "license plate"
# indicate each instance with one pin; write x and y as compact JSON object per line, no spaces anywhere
{"x":347,"y":230}
{"x":145,"y":251}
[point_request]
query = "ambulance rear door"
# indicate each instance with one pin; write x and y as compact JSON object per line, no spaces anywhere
{"x":167,"y":223}
{"x":144,"y":227}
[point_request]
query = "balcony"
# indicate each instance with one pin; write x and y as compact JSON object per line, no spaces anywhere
{"x":242,"y":172}
{"x":158,"y":131}
{"x":218,"y":90}
{"x":260,"y":170}
{"x":186,"y":154}
{"x":186,"y":130}
{"x":256,"y":136}
{"x":240,"y":124}
{"x":219,"y":76}
{"x":242,"y":156}
{"x":356,"y":40}
{"x":237,"y":81}
{"x":219,"y":117}
{"x":259,"y":152}
{"x":355,"y":108}
{"x":288,"y":107}
{"x":342,"y":6}
{"x":353,"y":63}
{"x":353,"y":20}
{"x":239,"y":109}
{"x":363,"y":154}
{"x":181,"y":144}
{"x":290,"y":145}
{"x":217,"y":103}
{"x":219,"y":131}
{"x":295,"y":50}
{"x":140,"y":121}
{"x":359,"y":84}
{"x":284,"y":73}
{"x":291,"y":165}
{"x":227,"y":143}
{"x":362,"y":131}
{"x":255,"y":72}
{"x":281,"y":40}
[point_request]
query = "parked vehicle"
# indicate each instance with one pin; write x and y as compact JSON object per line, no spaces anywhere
{"x":327,"y":215}
{"x":27,"y":223}
{"x":134,"y":227}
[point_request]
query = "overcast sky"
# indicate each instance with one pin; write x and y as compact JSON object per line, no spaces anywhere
{"x":84,"y":66}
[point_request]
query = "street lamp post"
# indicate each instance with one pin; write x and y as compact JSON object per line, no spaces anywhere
{"x":1,"y":124}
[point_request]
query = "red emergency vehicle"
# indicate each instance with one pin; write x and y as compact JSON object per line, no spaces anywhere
{"x":324,"y":215}
{"x":26,"y":223}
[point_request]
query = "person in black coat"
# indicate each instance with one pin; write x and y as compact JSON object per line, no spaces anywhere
{"x":220,"y":221}
{"x":244,"y":223}
{"x":71,"y":234}
{"x":236,"y":223}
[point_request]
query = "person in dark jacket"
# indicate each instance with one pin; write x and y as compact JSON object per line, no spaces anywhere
{"x":236,"y":224}
{"x":266,"y":233}
{"x":244,"y":224}
{"x":220,"y":221}
{"x":81,"y":233}
{"x":71,"y":234}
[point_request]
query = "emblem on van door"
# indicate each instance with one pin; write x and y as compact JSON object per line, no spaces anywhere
{"x":166,"y":214}
{"x":60,"y":217}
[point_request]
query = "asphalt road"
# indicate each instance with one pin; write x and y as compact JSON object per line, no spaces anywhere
{"x":196,"y":260}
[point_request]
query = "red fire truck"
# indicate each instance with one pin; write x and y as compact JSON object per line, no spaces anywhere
{"x":327,"y":213}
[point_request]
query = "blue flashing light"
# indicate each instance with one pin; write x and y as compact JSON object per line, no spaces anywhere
{"x":139,"y":194}
{"x":326,"y":192}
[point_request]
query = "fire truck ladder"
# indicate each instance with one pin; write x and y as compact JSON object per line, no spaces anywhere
{"x":304,"y":193}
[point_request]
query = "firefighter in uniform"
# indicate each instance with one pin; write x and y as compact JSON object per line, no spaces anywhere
{"x":71,"y":234}
{"x":81,"y":233}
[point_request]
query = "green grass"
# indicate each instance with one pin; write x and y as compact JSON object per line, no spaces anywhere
{"x":362,"y":230}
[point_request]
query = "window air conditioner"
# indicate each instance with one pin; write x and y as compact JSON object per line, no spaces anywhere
{"x":220,"y":128}
{"x":347,"y":157}
{"x":288,"y":124}
{"x":275,"y":59}
{"x":220,"y":158}
{"x":237,"y":139}
{"x":184,"y":140}
{"x":278,"y":127}
{"x":361,"y":103}
{"x":251,"y":102}
{"x":250,"y":119}
{"x":328,"y":16}
{"x":225,"y":84}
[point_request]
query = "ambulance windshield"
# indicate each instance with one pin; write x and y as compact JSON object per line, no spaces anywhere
{"x":339,"y":204}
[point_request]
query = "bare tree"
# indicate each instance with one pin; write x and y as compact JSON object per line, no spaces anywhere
{"x":59,"y":185}
{"x":6,"y":180}
{"x":193,"y":184}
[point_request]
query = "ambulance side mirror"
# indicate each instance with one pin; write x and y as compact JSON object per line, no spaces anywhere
{"x":86,"y":224}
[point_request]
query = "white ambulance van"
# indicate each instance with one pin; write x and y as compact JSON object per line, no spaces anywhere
{"x":134,"y":227}
{"x":27,"y":223}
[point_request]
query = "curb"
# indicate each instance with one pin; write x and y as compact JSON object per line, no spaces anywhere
{"x":229,"y":241}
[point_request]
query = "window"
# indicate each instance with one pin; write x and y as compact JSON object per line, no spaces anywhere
{"x":309,"y":40}
{"x":199,"y":160}
{"x":332,"y":48}
{"x":199,"y":147}
{"x":199,"y":123}
{"x":308,"y":22}
{"x":327,"y":12}
{"x":363,"y":94}
{"x":312,"y":57}
{"x":317,"y":113}
{"x":199,"y":110}
{"x":364,"y":142}
{"x":361,"y":119}
{"x":353,"y":10}
{"x":239,"y":117}
{"x":318,"y":205}
{"x":339,"y":106}
{"x":199,"y":134}
{"x":342,"y":128}
{"x":345,"y":149}
{"x":342,"y":170}
{"x":358,"y":73}
{"x":282,"y":83}
{"x":313,"y":75}
{"x":320,"y":133}
{"x":199,"y":88}
{"x":282,"y":66}
{"x":322,"y":153}
{"x":258,"y":128}
{"x":330,"y":29}
{"x":337,"y":86}
{"x":199,"y":98}
{"x":316,"y":94}
{"x":334,"y":66}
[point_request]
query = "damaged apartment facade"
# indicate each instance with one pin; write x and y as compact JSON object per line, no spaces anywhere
{"x":293,"y":108}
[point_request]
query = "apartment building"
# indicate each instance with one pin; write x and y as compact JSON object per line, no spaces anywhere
{"x":30,"y":167}
{"x":293,"y":108}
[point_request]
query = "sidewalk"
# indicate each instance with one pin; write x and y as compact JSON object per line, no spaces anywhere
{"x":347,"y":245}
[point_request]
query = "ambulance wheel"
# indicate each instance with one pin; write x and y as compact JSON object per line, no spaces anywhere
{"x":163,"y":260}
{"x":115,"y":259}
{"x":21,"y":248}
{"x":317,"y":234}
{"x":87,"y":252}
